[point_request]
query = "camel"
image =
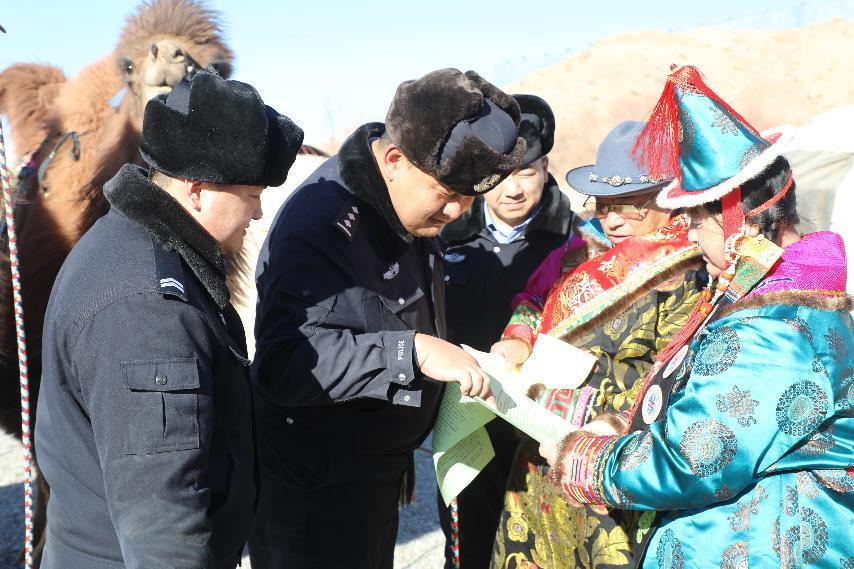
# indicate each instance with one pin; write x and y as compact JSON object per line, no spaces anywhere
{"x":73,"y":135}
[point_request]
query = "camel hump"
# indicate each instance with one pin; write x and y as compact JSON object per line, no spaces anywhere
{"x":27,"y":91}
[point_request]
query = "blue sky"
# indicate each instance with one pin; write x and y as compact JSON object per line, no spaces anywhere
{"x":333,"y":65}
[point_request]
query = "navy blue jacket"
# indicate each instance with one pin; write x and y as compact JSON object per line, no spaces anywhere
{"x":483,"y":276}
{"x":145,"y":423}
{"x":342,"y":290}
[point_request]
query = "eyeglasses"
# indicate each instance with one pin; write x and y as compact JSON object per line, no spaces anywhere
{"x":626,"y":211}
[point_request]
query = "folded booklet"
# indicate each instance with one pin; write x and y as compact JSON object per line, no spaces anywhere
{"x":461,"y":447}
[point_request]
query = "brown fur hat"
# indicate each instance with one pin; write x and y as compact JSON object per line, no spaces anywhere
{"x":537,"y":126}
{"x":211,"y":129}
{"x":426,"y":112}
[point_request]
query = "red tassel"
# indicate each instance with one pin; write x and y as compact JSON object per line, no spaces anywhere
{"x":657,"y":146}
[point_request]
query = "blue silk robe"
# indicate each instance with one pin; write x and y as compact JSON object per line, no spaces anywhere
{"x":749,"y":462}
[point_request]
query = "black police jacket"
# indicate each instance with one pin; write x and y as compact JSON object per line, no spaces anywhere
{"x":145,"y":423}
{"x":482,"y":275}
{"x":342,"y":290}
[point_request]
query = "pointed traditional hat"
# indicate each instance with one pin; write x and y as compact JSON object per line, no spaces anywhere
{"x":708,"y":147}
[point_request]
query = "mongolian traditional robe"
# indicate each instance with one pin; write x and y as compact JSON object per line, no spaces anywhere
{"x":749,"y":460}
{"x":623,"y":305}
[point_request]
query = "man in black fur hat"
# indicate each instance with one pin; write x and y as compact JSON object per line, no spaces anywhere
{"x":491,"y":251}
{"x":350,"y":363}
{"x":145,"y":420}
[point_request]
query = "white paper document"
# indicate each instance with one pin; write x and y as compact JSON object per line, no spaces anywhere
{"x":461,"y":447}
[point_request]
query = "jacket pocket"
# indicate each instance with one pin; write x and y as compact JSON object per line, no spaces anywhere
{"x":163,"y":405}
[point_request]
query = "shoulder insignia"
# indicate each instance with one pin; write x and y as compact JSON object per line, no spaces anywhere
{"x":170,"y":273}
{"x":392,"y":271}
{"x":348,"y":220}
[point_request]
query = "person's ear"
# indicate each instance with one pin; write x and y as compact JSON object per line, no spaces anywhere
{"x":545,"y":164}
{"x":393,"y":161}
{"x":194,"y":194}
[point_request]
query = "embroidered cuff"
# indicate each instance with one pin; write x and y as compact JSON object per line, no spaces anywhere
{"x":583,"y":466}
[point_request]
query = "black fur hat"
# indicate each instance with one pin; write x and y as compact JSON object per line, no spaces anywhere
{"x":211,"y":129}
{"x":537,"y":127}
{"x":457,"y":127}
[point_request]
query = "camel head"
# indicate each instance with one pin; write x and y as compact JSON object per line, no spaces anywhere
{"x":162,"y":42}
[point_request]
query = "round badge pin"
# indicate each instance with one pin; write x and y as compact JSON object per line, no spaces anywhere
{"x":652,"y":402}
{"x":675,"y":361}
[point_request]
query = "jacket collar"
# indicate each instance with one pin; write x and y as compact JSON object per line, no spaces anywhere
{"x":133,"y":195}
{"x":554,"y":218}
{"x":361,"y":175}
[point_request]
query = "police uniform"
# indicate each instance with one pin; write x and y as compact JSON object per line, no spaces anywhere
{"x":145,"y":423}
{"x":145,"y":428}
{"x":341,"y":403}
{"x":343,"y":288}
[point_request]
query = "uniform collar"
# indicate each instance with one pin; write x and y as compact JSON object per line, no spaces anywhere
{"x":553,"y":217}
{"x":136,"y":197}
{"x":361,"y":175}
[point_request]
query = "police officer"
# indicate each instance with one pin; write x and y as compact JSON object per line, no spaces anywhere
{"x":349,"y":363}
{"x":492,"y":249}
{"x":145,"y":422}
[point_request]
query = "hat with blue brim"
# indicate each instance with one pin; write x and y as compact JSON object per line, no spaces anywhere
{"x":616,"y":171}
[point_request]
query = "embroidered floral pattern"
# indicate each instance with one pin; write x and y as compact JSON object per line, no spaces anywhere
{"x":517,"y":527}
{"x":708,"y":446}
{"x":837,"y":344}
{"x":800,"y":325}
{"x":724,"y":493}
{"x":718,"y":352}
{"x":806,"y":485}
{"x":819,"y":442}
{"x":622,"y":497}
{"x":738,"y":405}
{"x":790,"y":501}
{"x":790,"y":548}
{"x":749,"y":156}
{"x":801,"y":408}
{"x":617,"y":326}
{"x":636,"y":451}
{"x":813,"y":537}
{"x":845,"y":398}
{"x":735,"y":556}
{"x":740,"y":520}
{"x":723,"y":122}
{"x":686,"y":130}
{"x":837,"y":480}
{"x":669,"y":552}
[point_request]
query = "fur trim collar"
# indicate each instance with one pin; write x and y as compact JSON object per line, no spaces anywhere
{"x":840,"y":302}
{"x":133,"y":195}
{"x":362,"y":178}
{"x":554,"y":218}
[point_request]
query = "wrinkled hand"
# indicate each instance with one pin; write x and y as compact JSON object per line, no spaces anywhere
{"x":445,"y":362}
{"x":513,"y":350}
